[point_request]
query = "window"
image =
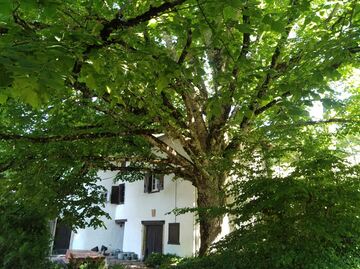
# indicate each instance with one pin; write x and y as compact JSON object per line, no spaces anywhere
{"x":174,"y":234}
{"x":153,"y":183}
{"x":118,"y":194}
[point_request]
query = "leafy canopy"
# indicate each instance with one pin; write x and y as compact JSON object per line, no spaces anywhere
{"x":87,"y":85}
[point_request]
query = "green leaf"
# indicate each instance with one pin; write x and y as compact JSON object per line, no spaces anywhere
{"x":244,"y":28}
{"x":49,"y":7}
{"x":249,"y":114}
{"x":91,"y":81}
{"x":25,"y":88}
{"x":162,"y":83}
{"x":230,"y":13}
{"x":236,"y":3}
{"x":6,"y":7}
{"x":277,"y":26}
{"x":32,"y":98}
{"x":3,"y":98}
{"x":318,"y":76}
{"x":5,"y":77}
{"x":267,"y":19}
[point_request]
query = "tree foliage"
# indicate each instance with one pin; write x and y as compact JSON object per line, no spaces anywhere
{"x":24,"y":237}
{"x":100,"y":79}
{"x":303,"y":216}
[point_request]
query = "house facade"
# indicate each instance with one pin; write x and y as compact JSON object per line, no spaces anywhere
{"x":141,"y":218}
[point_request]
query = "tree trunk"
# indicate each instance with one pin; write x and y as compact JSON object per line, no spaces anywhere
{"x":209,"y":196}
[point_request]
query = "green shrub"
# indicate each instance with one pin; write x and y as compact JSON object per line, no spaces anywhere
{"x":163,"y":261}
{"x":117,"y":266}
{"x":87,"y":263}
{"x":304,"y":220}
{"x":55,"y":265}
{"x":24,"y":236}
{"x":214,"y":261}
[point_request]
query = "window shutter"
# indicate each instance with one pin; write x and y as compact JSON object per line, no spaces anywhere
{"x":160,"y":182}
{"x":147,"y":183}
{"x":122,"y":193}
{"x":115,"y":194}
{"x":174,"y":234}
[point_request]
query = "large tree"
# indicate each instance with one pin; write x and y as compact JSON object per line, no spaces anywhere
{"x":105,"y":77}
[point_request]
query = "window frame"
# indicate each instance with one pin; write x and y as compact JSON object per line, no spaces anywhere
{"x":153,"y":182}
{"x":117,"y":195}
{"x":174,"y":233}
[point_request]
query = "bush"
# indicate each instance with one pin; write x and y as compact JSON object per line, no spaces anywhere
{"x":303,"y":220}
{"x":24,"y":237}
{"x":87,"y":263}
{"x":216,"y":260}
{"x":163,"y":261}
{"x":55,"y":265}
{"x":207,"y":262}
{"x":117,"y":266}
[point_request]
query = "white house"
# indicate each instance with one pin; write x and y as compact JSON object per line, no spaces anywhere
{"x":141,"y":219}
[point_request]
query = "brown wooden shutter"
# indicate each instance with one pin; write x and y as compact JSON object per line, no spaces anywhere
{"x":146,"y":182}
{"x":115,"y":194}
{"x":174,"y":234}
{"x":122,"y":193}
{"x":160,"y":185}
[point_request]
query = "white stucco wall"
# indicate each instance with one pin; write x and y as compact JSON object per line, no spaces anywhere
{"x":138,"y":207}
{"x":111,"y":237}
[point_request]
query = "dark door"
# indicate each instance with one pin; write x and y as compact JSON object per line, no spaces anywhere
{"x":62,"y":239}
{"x":154,"y":239}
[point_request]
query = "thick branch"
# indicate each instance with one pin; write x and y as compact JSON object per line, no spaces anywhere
{"x":272,"y":69}
{"x":186,"y":47}
{"x":3,"y":30}
{"x":152,"y":159}
{"x":213,"y":30}
{"x":28,"y":26}
{"x":354,"y":49}
{"x":271,"y":103}
{"x":217,"y":125}
{"x":175,"y":113}
{"x":314,"y":122}
{"x":74,"y":137}
{"x":153,"y":12}
{"x":171,"y":153}
{"x":6,"y":166}
{"x":196,"y":121}
{"x":159,"y":170}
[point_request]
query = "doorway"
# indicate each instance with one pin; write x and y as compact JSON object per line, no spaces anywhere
{"x":153,"y":237}
{"x":62,"y":238}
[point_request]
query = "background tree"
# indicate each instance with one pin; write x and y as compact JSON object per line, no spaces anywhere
{"x":105,"y":77}
{"x":295,"y":207}
{"x":24,"y":237}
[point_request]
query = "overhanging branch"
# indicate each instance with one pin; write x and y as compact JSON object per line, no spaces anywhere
{"x":162,"y":166}
{"x":73,"y":137}
{"x":314,"y":122}
{"x":171,"y":153}
{"x":271,"y":103}
{"x":186,"y":47}
{"x":119,"y":22}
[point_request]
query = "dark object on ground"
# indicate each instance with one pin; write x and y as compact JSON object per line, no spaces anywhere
{"x":103,"y":251}
{"x":96,"y":249}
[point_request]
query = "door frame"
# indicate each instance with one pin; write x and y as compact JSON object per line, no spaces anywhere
{"x":146,"y":223}
{"x":59,"y":228}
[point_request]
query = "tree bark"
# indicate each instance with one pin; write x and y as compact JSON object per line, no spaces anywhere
{"x":210,"y":197}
